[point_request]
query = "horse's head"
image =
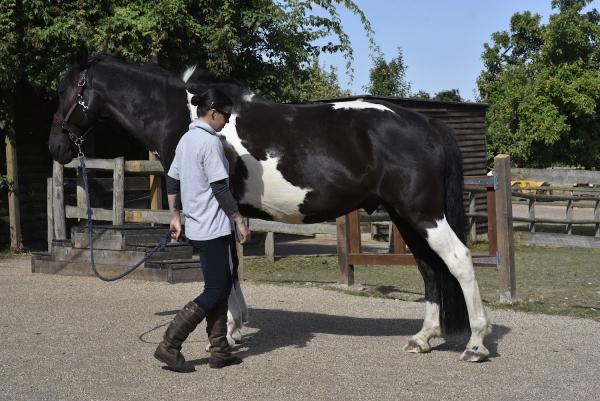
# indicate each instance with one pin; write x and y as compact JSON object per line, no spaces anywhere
{"x":76,"y":110}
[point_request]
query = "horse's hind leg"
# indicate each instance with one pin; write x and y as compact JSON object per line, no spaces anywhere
{"x":425,"y":257}
{"x":435,"y":246}
{"x":442,"y":239}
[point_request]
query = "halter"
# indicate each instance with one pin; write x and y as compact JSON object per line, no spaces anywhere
{"x":78,"y":141}
{"x":64,"y":121}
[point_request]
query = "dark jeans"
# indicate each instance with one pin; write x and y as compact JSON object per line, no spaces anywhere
{"x":218,"y":258}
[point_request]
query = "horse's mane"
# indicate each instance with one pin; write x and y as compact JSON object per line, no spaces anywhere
{"x":200,"y":76}
{"x":149,"y":68}
{"x":197,"y":77}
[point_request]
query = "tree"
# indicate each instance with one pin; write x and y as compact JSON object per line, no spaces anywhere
{"x":451,"y":95}
{"x":321,"y":84}
{"x":268,"y":44}
{"x":543,"y":86}
{"x":388,"y":79}
{"x":421,"y":95}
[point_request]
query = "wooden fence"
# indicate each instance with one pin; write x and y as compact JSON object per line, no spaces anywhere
{"x":500,"y":235}
{"x":501,"y":253}
{"x":568,"y":197}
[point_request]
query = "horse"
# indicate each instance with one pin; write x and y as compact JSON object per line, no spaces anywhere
{"x":305,"y":163}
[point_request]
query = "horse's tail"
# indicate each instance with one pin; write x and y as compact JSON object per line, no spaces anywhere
{"x":453,"y":310}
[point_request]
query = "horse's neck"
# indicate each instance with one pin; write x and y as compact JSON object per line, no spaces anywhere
{"x":157,"y":122}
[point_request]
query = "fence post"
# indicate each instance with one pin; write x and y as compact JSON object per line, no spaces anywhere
{"x":492,"y":229}
{"x":81,"y":195}
{"x":270,"y":246}
{"x":14,"y":209}
{"x":49,"y":212}
{"x":531,"y":210}
{"x":472,"y":220}
{"x":155,"y":187}
{"x":240,"y":254}
{"x":118,"y":217}
{"x":398,"y":244}
{"x":58,"y":202}
{"x":504,"y":228}
{"x":343,"y":246}
{"x":569,"y":215}
{"x":597,"y":218}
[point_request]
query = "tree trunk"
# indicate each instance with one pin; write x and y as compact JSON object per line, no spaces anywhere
{"x":16,"y":241}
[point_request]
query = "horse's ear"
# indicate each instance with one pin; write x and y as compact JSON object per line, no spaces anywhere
{"x":82,"y":56}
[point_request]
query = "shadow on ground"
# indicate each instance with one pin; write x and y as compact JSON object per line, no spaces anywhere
{"x":280,"y":328}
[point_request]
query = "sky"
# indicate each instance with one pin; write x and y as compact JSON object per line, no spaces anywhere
{"x":441,"y":40}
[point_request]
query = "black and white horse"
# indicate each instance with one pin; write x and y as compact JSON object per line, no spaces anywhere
{"x":306,"y":164}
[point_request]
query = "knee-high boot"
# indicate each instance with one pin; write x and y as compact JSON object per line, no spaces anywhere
{"x":168,"y":351}
{"x":216,"y":328}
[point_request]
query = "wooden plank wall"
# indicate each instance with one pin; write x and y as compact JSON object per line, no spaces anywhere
{"x":468,"y":122}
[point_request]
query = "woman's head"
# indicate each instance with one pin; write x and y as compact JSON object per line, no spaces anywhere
{"x":213,"y":107}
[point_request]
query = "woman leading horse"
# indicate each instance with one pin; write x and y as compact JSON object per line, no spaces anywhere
{"x":306,"y":164}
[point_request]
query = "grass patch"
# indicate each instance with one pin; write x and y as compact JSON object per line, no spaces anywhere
{"x":556,"y":281}
{"x":6,"y":253}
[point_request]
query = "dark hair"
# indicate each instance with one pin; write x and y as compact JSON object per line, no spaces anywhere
{"x":211,"y":99}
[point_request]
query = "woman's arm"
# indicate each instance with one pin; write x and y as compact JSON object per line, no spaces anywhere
{"x":230,"y":207}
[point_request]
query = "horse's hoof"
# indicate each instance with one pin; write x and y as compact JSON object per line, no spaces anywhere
{"x":416,"y":347}
{"x":475,"y":354}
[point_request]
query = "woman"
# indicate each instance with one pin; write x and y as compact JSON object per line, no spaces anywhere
{"x":199,"y":173}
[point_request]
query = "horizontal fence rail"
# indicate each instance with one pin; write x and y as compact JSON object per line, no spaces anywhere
{"x":118,"y":215}
{"x":584,"y":198}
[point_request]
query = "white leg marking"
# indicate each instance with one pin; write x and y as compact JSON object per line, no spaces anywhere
{"x":457,"y":257}
{"x":431,"y":328}
{"x":266,"y":188}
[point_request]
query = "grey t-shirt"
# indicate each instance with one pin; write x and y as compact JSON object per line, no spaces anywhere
{"x":200,"y":160}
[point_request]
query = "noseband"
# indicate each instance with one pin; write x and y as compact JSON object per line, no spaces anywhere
{"x":63,"y":122}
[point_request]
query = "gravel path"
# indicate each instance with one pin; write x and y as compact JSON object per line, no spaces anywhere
{"x":76,"y":338}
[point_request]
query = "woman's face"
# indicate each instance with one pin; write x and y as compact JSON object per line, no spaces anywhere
{"x":218,"y":118}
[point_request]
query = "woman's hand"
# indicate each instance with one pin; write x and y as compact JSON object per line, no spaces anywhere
{"x":175,"y":227}
{"x":242,"y":229}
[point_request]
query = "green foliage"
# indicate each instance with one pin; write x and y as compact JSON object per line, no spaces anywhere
{"x":5,"y":182}
{"x":421,"y":95}
{"x":388,"y":79}
{"x":451,"y":95}
{"x":321,"y":84}
{"x":268,"y":44}
{"x":543,"y":86}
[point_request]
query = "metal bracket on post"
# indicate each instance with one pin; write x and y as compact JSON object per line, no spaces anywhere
{"x":488,"y":260}
{"x":489,"y":181}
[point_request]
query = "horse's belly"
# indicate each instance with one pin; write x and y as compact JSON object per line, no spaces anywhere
{"x":266,"y":189}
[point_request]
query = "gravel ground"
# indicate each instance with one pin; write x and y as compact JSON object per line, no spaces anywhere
{"x":76,"y":338}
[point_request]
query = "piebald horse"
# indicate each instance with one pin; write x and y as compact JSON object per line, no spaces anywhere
{"x":305,"y":164}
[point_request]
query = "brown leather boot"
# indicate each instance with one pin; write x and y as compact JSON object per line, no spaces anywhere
{"x":216,"y":328}
{"x":168,"y":351}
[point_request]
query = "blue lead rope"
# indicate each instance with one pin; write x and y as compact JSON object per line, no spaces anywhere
{"x":162,"y":246}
